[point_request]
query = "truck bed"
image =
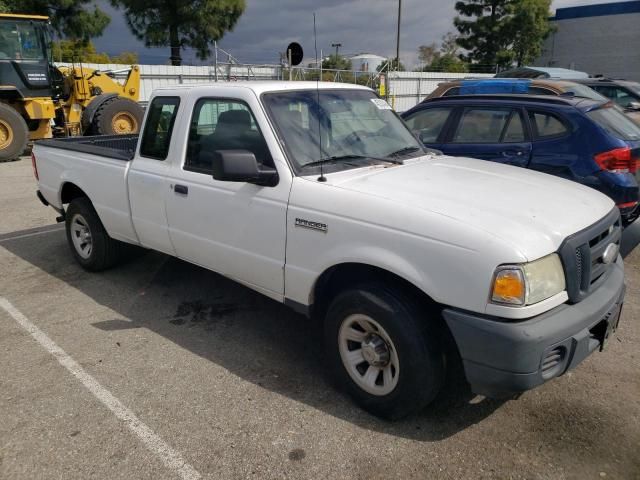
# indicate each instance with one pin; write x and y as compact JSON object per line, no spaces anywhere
{"x":119,"y":147}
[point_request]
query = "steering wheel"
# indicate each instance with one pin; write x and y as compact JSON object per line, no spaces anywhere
{"x":356,"y":136}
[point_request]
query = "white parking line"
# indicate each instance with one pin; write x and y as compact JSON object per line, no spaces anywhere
{"x":167,"y":455}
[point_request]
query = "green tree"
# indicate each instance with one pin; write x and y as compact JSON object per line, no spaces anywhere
{"x":333,"y":62}
{"x":530,"y":27}
{"x":448,"y":63}
{"x":181,"y":24}
{"x":443,"y":58}
{"x":75,"y":19}
{"x":427,"y":53}
{"x":77,"y":50}
{"x":449,"y":44}
{"x":485,"y":30}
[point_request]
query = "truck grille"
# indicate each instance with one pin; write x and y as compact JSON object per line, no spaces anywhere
{"x":582,"y":252}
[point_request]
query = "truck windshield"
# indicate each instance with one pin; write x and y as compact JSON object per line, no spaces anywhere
{"x":20,"y":40}
{"x":347,"y":127}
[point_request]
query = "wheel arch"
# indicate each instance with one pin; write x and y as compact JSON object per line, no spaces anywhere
{"x":337,"y":277}
{"x":10,"y":93}
{"x":71,"y":191}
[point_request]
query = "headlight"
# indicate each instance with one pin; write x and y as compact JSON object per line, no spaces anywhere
{"x":528,"y":283}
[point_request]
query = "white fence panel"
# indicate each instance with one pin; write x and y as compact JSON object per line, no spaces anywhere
{"x":407,"y":89}
{"x":154,"y":76}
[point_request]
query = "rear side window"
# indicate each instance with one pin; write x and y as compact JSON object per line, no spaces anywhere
{"x":616,"y":123}
{"x":489,"y":125}
{"x":547,"y":125}
{"x":157,"y":131}
{"x":451,"y":92}
{"x":428,"y":123}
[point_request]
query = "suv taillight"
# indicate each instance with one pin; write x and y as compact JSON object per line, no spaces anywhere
{"x":35,"y":167}
{"x":618,"y":160}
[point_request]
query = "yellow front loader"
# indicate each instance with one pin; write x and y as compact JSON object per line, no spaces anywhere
{"x":39,"y":100}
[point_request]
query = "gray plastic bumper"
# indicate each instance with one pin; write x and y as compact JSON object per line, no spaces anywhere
{"x":505,"y":357}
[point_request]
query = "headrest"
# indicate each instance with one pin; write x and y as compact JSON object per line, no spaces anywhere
{"x":235,"y":118}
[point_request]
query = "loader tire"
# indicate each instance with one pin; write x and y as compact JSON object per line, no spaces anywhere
{"x":14,"y":134}
{"x":117,"y":116}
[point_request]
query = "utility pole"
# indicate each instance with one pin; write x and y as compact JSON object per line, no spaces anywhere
{"x":398,"y":36}
{"x":337,"y":46}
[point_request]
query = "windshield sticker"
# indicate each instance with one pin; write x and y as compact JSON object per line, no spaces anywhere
{"x":381,"y":104}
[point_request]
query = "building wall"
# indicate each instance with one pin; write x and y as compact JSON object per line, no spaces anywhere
{"x":593,"y":41}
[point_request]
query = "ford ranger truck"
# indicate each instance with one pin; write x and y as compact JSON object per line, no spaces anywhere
{"x":319,"y":196}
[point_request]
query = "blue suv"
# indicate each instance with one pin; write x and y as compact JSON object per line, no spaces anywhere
{"x":584,"y":140}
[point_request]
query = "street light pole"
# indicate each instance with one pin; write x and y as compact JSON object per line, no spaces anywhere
{"x":398,"y":36}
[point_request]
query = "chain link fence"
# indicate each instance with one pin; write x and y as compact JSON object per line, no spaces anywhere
{"x":401,"y":89}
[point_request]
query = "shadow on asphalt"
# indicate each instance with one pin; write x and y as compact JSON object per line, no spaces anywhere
{"x":255,"y":338}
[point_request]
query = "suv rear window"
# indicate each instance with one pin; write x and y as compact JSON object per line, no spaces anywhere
{"x":616,"y":123}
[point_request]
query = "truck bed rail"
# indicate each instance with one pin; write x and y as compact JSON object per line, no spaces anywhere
{"x":120,"y":147}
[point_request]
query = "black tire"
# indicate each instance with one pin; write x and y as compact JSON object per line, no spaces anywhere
{"x":417,"y":342}
{"x":104,"y":251}
{"x":13,"y":125}
{"x":103,"y":120}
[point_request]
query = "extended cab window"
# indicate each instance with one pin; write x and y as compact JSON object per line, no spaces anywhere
{"x":547,"y":125}
{"x":222,"y":124}
{"x":159,"y":126}
{"x":489,"y":125}
{"x":428,"y":123}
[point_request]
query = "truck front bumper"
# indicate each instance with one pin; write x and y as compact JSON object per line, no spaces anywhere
{"x":503,"y":357}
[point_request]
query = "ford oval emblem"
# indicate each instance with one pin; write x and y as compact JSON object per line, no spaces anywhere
{"x":610,"y":254}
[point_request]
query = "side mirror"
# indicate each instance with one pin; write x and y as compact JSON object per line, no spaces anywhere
{"x":634,"y":106}
{"x":242,"y":166}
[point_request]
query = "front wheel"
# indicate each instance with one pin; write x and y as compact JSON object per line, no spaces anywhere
{"x":90,"y":243}
{"x":384,"y":350}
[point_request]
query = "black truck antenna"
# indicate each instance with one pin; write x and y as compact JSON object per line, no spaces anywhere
{"x":321,"y":178}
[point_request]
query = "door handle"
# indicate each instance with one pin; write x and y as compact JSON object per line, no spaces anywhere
{"x":512,"y":153}
{"x":182,"y":189}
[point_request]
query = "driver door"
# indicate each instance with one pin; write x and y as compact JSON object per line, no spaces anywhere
{"x":235,"y":228}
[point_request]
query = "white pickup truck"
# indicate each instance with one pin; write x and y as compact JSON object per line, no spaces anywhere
{"x":318,"y":196}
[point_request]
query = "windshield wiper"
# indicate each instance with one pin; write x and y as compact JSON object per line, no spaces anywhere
{"x":342,"y":158}
{"x":404,"y":151}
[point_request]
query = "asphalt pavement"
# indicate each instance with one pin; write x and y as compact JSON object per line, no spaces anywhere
{"x":160,"y":369}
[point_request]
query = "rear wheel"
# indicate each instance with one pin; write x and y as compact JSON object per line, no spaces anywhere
{"x":384,"y":350}
{"x":14,"y":134}
{"x":117,"y":116}
{"x":90,"y":243}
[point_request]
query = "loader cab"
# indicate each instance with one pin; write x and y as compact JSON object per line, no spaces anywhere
{"x":26,"y":67}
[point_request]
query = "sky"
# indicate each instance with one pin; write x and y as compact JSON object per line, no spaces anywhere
{"x":268,"y":26}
